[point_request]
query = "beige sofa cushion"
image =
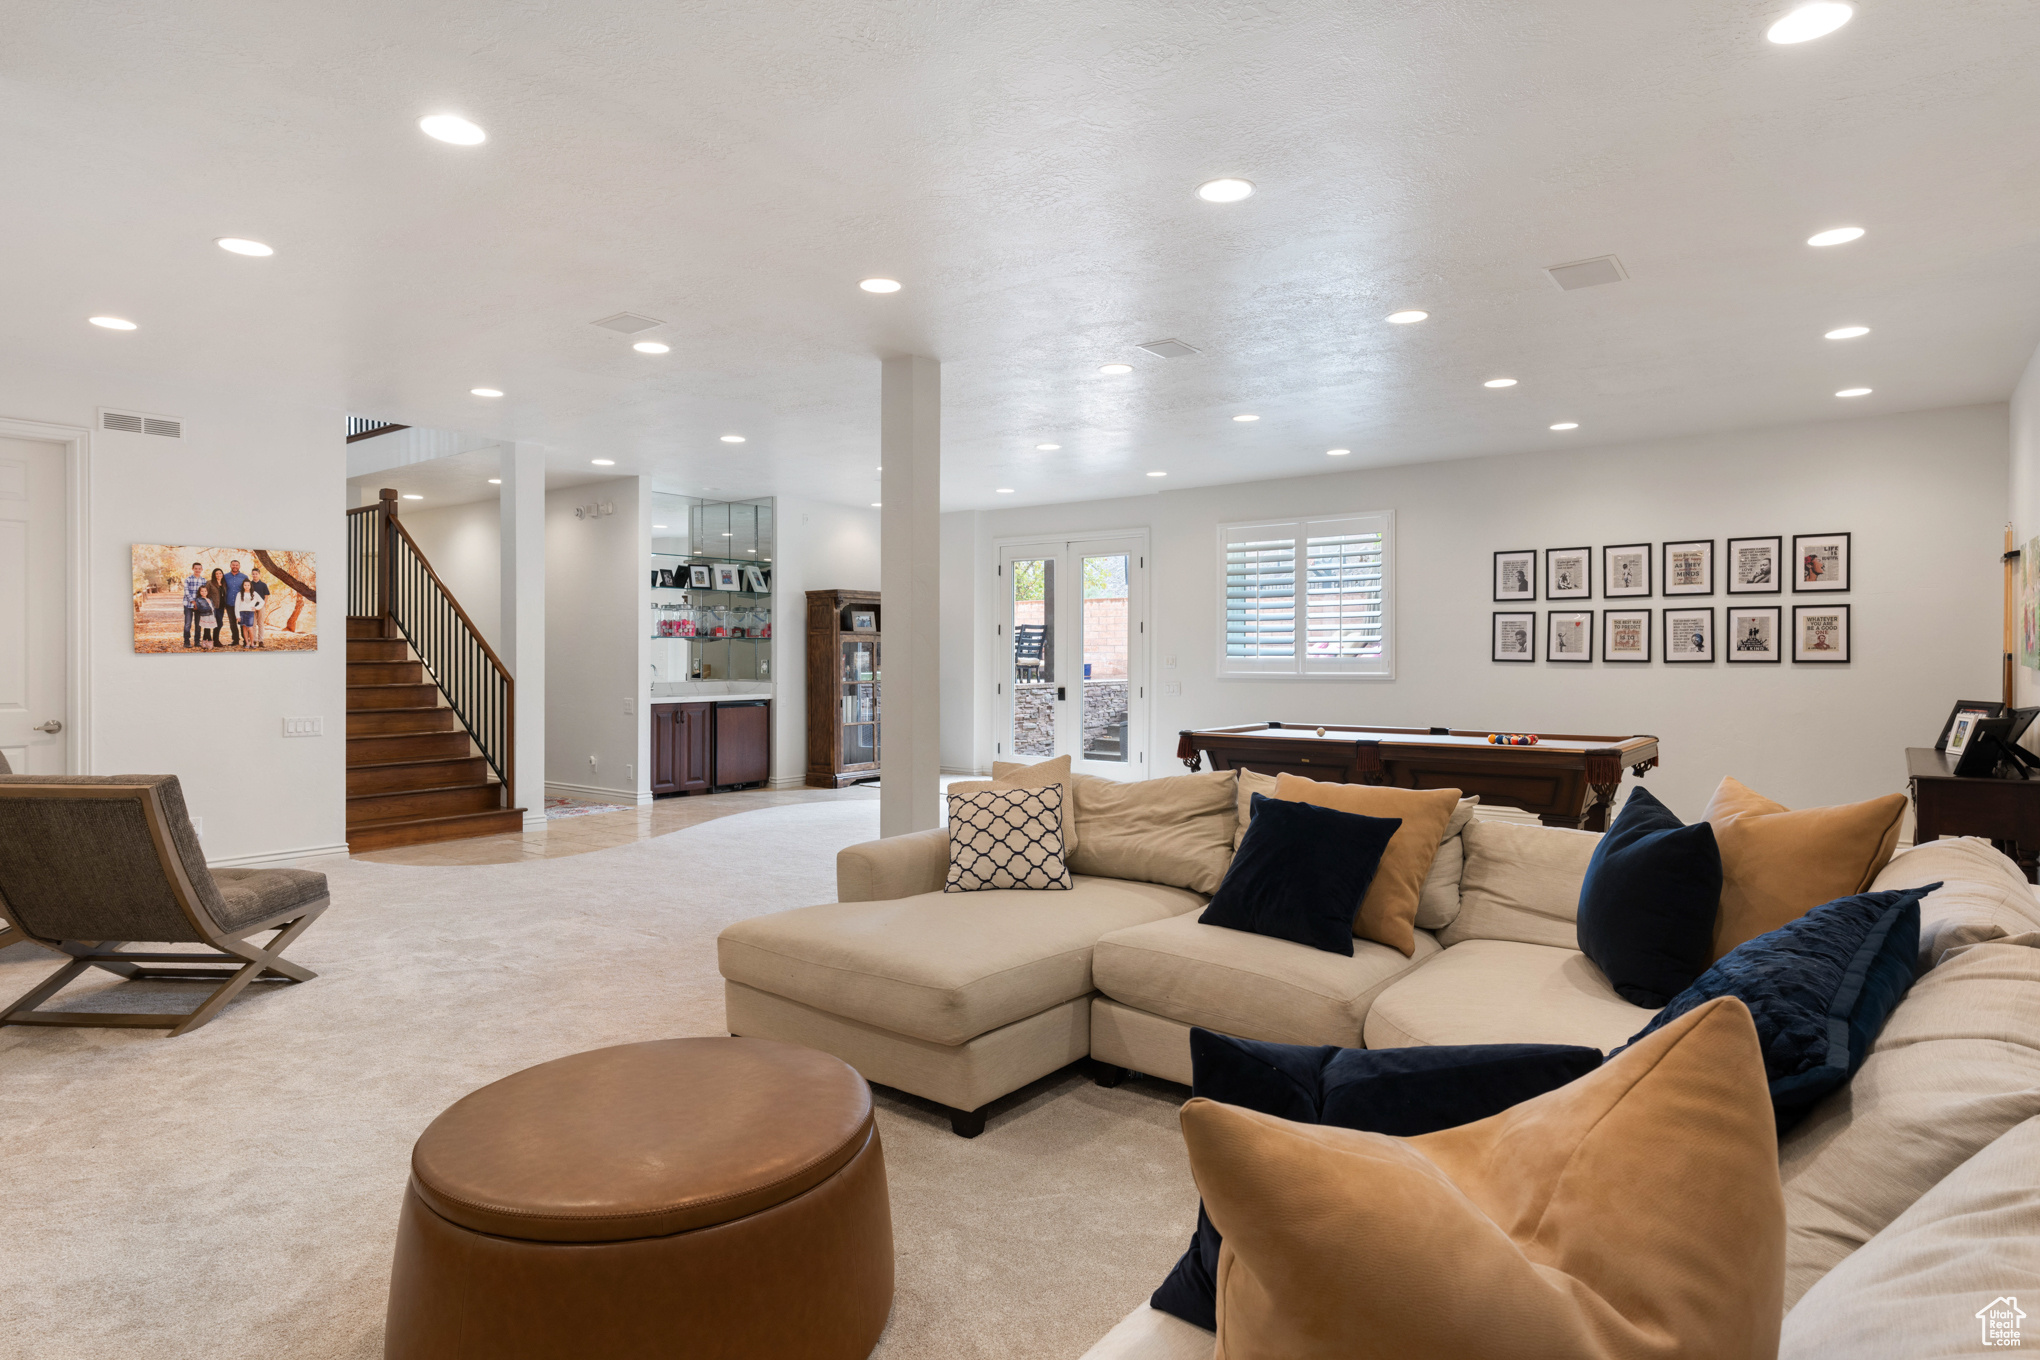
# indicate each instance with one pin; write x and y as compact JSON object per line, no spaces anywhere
{"x":1913,"y":1291}
{"x":1504,"y":992}
{"x":1777,"y":864}
{"x":1147,"y":1333}
{"x":1250,"y":783}
{"x":1521,"y":883}
{"x":1012,"y":774}
{"x":1177,"y":830}
{"x":1388,"y":910}
{"x":1248,"y":985}
{"x":945,"y":967}
{"x":1438,"y":902}
{"x":1957,"y":1065}
{"x":1983,"y":895}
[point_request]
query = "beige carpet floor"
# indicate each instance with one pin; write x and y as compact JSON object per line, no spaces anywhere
{"x":233,"y":1193}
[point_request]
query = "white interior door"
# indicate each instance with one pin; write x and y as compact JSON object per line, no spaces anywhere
{"x":32,"y":689}
{"x":1072,"y":650}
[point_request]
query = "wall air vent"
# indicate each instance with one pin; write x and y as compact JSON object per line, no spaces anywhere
{"x":1587,"y":273}
{"x":134,"y":422}
{"x":627,"y":323}
{"x":1168,"y":349}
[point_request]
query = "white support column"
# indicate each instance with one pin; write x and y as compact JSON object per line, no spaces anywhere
{"x":910,"y":573}
{"x":523,"y":610}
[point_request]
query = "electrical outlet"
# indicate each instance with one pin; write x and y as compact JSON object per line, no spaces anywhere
{"x":591,"y":762}
{"x":1172,"y":687}
{"x":1168,"y":663}
{"x":630,"y":706}
{"x":304,"y":727}
{"x":630,"y":772}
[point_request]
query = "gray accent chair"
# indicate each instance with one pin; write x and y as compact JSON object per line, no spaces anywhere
{"x":91,"y":862}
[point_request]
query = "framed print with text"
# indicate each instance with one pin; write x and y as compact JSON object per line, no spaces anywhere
{"x":1515,"y":637}
{"x":1625,"y":571}
{"x":1570,"y":635}
{"x":1820,"y":632}
{"x":1515,"y":575}
{"x":1689,"y":570}
{"x":1820,"y":562}
{"x":1689,"y":634}
{"x":1568,"y":573}
{"x":1625,"y":635}
{"x":1752,"y":633}
{"x":1754,"y":566}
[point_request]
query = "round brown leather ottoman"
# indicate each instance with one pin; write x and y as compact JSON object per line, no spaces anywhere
{"x":690,"y":1197}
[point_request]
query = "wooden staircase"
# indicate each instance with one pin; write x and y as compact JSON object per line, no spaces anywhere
{"x":413,"y":775}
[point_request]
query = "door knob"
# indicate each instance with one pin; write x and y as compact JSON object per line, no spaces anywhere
{"x":52,"y":727}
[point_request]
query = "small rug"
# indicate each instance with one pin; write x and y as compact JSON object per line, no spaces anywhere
{"x":574,"y":807}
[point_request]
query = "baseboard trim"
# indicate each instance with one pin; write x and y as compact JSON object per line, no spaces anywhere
{"x":278,"y":857}
{"x":591,"y":793}
{"x":787,"y":781}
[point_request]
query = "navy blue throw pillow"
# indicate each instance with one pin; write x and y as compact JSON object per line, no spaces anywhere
{"x":1397,"y":1091}
{"x":1300,"y":873}
{"x":1647,"y":906}
{"x":1820,"y":989}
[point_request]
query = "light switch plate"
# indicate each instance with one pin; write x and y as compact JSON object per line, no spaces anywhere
{"x":1172,"y":687}
{"x":304,"y":727}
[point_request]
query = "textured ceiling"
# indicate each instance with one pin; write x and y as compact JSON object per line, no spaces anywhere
{"x":1027,"y":171}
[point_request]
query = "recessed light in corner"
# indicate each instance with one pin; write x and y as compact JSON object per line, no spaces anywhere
{"x":733,"y":439}
{"x":1047,"y":448}
{"x":1499,"y":382}
{"x":1158,"y":474}
{"x":651,"y":347}
{"x":880,"y":285}
{"x":1566,"y":425}
{"x":1810,"y":21}
{"x":878,"y":505}
{"x":603,"y":462}
{"x":1853,"y":392}
{"x":495,"y":481}
{"x":1225,"y":190}
{"x":240,"y":245}
{"x":1115,"y":369}
{"x":658,"y":526}
{"x":1846,"y":333}
{"x":112,"y":323}
{"x":483,"y":392}
{"x":413,"y":496}
{"x":1244,"y":419}
{"x":1835,"y":236}
{"x":1406,"y":318}
{"x":1003,"y":491}
{"x":1337,"y":453}
{"x":447,"y":127}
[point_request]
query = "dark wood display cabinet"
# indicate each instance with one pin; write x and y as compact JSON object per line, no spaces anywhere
{"x":842,"y":687}
{"x":705,"y":747}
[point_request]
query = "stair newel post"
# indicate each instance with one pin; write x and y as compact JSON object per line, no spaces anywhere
{"x":386,"y":558}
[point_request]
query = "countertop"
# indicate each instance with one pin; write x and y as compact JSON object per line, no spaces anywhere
{"x":710,"y":691}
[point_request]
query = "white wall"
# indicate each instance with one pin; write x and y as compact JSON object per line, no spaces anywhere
{"x":464,"y":545}
{"x":249,"y":472}
{"x":1917,"y":491}
{"x":967,"y":710}
{"x":2025,"y":507}
{"x":820,"y":546}
{"x":595,"y":628}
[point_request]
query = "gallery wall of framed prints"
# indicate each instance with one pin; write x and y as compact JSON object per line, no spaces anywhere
{"x":1676,"y":570}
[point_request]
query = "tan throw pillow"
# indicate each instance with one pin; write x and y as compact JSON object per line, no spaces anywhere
{"x":1177,"y":830}
{"x":1251,"y":783}
{"x":1521,"y":883}
{"x":1388,"y":913}
{"x":1777,"y":864}
{"x":1631,"y":1215}
{"x":1014,"y":775}
{"x":1006,"y":838}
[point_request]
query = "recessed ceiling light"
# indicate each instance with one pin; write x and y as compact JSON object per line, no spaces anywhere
{"x":651,"y":347}
{"x":877,"y":505}
{"x":1499,"y":382}
{"x":241,"y":246}
{"x":733,"y":439}
{"x":1846,"y":333}
{"x":878,"y":469}
{"x":658,"y":526}
{"x":880,"y":285}
{"x":1225,"y":190}
{"x":448,"y":128}
{"x":1115,"y":368}
{"x":112,"y":323}
{"x":495,"y":481}
{"x":1244,"y":419}
{"x":603,"y":462}
{"x":413,"y":496}
{"x":728,"y":534}
{"x":1004,"y":491}
{"x":1405,"y":318}
{"x":1810,"y":21}
{"x":1566,"y":425}
{"x":1337,"y":453}
{"x":1047,"y":448}
{"x":1158,"y":474}
{"x":483,"y":392}
{"x":1853,"y":392}
{"x":1835,"y":236}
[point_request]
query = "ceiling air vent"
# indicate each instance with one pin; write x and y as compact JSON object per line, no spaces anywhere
{"x":1168,"y":349}
{"x":134,"y":422}
{"x":1587,"y":273}
{"x":627,"y":323}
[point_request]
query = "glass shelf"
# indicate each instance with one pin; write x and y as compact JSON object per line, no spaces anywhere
{"x":703,"y":637}
{"x":711,"y":557}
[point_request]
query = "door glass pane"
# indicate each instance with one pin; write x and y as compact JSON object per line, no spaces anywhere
{"x":1033,"y":656}
{"x":1107,"y":645}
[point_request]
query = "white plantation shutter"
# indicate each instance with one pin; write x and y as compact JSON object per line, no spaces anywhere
{"x":1307,"y":597}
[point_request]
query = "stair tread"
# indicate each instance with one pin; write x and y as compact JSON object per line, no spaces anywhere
{"x":446,"y":818}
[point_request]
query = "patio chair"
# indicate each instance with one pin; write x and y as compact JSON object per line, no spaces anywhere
{"x":91,"y":862}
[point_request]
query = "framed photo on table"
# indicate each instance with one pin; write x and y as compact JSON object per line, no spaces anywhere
{"x":1569,"y":635}
{"x":1689,"y":570}
{"x":1515,"y":636}
{"x":1755,"y":566}
{"x":1752,"y":633}
{"x":1982,"y":708}
{"x":1820,"y":632}
{"x":1820,"y":562}
{"x":1961,"y":731}
{"x":1515,"y":575}
{"x":1625,"y":635}
{"x":1625,"y":571}
{"x":1568,"y":573}
{"x":1689,"y":635}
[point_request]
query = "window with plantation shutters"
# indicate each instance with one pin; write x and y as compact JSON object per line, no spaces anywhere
{"x":1306,"y":597}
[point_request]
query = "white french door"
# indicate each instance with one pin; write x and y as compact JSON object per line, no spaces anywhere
{"x":1071,"y":654}
{"x":32,"y":595}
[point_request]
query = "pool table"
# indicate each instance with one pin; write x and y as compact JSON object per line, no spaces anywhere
{"x":1566,"y":779}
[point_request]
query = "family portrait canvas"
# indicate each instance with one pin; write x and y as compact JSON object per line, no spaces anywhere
{"x":189,"y":599}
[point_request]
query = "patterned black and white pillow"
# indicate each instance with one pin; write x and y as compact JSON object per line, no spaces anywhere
{"x":1006,"y":838}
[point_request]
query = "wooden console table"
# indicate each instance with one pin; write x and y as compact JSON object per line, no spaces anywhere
{"x":2004,"y":811}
